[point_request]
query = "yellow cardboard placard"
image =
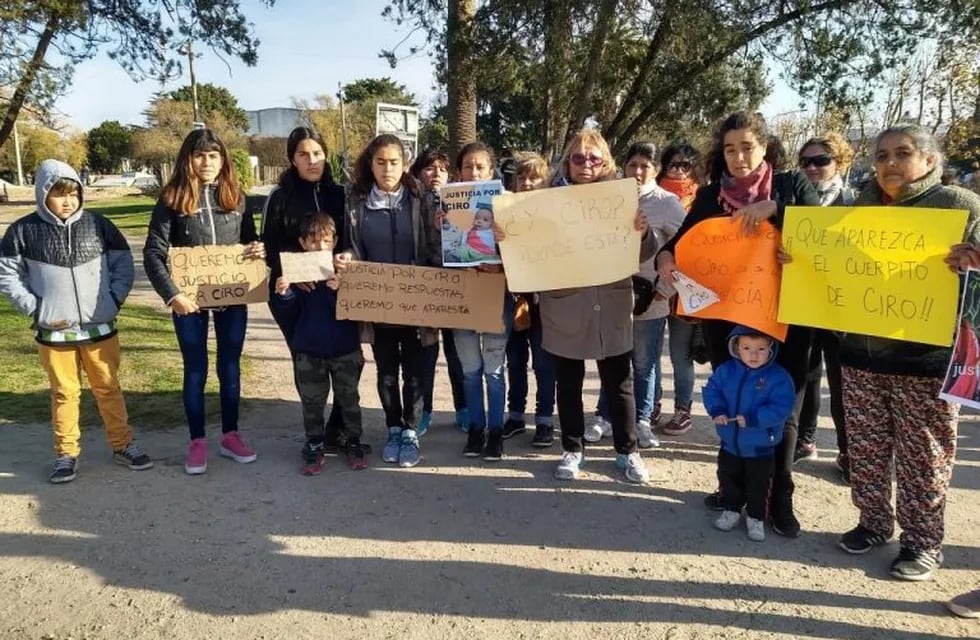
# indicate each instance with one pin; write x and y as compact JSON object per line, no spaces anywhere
{"x":577,"y":236}
{"x":876,"y":271}
{"x":740,"y":267}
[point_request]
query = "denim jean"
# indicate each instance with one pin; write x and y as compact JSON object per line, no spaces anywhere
{"x":680,"y":333}
{"x":648,"y":342}
{"x":454,"y":369}
{"x":482,"y":357}
{"x":192,"y":336}
{"x":520,"y":345}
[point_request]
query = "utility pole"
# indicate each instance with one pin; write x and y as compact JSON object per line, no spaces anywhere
{"x":20,"y":167}
{"x":343,"y":130}
{"x":188,"y":50}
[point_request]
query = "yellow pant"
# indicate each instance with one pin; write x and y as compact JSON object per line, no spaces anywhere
{"x":64,"y":365}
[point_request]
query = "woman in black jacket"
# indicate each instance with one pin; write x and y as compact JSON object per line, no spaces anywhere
{"x":746,"y":186}
{"x":306,"y":187}
{"x":202,"y":205}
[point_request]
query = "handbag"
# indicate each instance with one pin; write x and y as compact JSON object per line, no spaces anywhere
{"x":643,"y":293}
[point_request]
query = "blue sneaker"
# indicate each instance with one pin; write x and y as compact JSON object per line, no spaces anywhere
{"x":393,"y":446}
{"x":408,"y":453}
{"x":423,"y":424}
{"x":463,"y":420}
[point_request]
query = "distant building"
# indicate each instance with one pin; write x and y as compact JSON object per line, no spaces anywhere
{"x":276,"y":122}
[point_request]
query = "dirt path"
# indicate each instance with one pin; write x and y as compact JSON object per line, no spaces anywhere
{"x":450,"y":549}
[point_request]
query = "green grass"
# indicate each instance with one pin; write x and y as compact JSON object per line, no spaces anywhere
{"x":131,"y":213}
{"x":151,"y":373}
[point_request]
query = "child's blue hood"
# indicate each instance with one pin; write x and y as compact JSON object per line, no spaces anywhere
{"x":48,"y":173}
{"x":741,"y":330}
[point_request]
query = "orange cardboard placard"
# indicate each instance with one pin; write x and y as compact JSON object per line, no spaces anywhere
{"x":740,"y":267}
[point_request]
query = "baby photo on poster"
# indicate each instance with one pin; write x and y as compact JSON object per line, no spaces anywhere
{"x":467,"y":228}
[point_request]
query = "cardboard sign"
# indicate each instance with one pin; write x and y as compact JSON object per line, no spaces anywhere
{"x":422,"y":296}
{"x":578,"y":236}
{"x":467,"y":230}
{"x":741,"y":268}
{"x":307,"y":266}
{"x":219,"y":275}
{"x":876,"y":271}
{"x":962,"y":382}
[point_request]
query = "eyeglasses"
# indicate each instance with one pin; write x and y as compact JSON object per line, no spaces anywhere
{"x":582,"y":160}
{"x":822,"y":160}
{"x":683,"y":165}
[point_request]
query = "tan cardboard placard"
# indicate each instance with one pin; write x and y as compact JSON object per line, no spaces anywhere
{"x":577,"y":236}
{"x":307,"y":266}
{"x":422,"y":296}
{"x":219,"y":275}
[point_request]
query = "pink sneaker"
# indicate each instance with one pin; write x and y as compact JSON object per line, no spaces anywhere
{"x":197,"y":457}
{"x":232,"y":446}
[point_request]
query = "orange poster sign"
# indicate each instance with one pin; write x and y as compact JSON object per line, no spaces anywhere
{"x":740,"y":267}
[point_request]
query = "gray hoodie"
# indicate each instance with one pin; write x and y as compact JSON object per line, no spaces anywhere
{"x":71,"y":275}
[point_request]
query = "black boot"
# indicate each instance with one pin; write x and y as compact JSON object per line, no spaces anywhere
{"x":781,"y":514}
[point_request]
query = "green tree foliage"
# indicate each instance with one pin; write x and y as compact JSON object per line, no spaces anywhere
{"x":108,"y":144}
{"x":168,"y":123}
{"x":243,"y":168}
{"x":38,"y":143}
{"x":212,"y":98}
{"x":141,"y":35}
{"x":640,"y":68}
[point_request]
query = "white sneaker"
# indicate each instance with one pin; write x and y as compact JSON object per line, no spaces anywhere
{"x":645,"y":436}
{"x":636,"y":469}
{"x":756,"y":529}
{"x":568,"y":468}
{"x":728,"y":520}
{"x":599,"y":429}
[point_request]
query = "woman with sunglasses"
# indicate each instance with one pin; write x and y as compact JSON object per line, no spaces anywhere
{"x":746,"y":186}
{"x":823,"y":160}
{"x":681,"y":174}
{"x":664,"y":215}
{"x":594,"y":323}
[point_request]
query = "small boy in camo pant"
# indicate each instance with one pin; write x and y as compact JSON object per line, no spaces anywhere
{"x":326,"y":351}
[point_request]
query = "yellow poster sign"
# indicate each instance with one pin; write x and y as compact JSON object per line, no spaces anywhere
{"x":872,"y":270}
{"x":576,"y":236}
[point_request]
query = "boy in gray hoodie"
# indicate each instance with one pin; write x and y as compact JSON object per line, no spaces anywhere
{"x":71,"y":270}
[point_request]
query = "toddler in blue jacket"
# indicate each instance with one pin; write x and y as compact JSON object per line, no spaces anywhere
{"x":749,"y":398}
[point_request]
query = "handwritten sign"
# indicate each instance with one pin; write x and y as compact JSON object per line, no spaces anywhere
{"x":576,"y":236}
{"x":218,"y":275}
{"x":741,"y":268}
{"x":307,"y":266}
{"x":962,"y":382}
{"x":467,"y":230}
{"x":422,"y":296}
{"x":877,"y":271}
{"x":692,"y":296}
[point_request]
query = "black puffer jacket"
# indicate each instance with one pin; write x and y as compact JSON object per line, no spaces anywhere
{"x":210,"y":225}
{"x":286,"y":208}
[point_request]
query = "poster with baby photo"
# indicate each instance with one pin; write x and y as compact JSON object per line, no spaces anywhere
{"x":467,"y":228}
{"x":962,"y":383}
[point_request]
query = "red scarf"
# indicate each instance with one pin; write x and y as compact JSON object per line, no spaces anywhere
{"x":683,"y":188}
{"x":737,"y":193}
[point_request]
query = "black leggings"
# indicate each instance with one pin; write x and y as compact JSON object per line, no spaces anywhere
{"x":616,"y":379}
{"x":399,"y":348}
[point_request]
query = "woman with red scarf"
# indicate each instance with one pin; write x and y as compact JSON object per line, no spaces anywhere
{"x":745,"y":185}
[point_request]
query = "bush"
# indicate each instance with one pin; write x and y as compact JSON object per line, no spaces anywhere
{"x":243,"y":168}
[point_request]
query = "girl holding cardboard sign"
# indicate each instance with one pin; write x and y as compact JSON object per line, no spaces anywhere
{"x":745,"y":185}
{"x":202,"y":205}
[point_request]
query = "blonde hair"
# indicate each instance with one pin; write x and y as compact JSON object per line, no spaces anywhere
{"x":592,"y":138}
{"x":836,"y":146}
{"x":530,"y":163}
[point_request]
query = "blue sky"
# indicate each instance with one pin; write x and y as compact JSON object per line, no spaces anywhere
{"x":308,"y":46}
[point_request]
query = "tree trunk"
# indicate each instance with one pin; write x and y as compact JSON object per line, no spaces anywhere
{"x":29,"y":76}
{"x":557,"y":57}
{"x":583,"y":100}
{"x":461,"y":80}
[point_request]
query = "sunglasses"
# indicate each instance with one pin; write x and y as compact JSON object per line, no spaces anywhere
{"x":817,"y":161}
{"x":683,"y":165}
{"x":582,"y":160}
